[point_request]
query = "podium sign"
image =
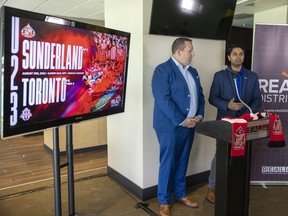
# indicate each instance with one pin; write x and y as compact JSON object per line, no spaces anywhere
{"x":232,"y":173}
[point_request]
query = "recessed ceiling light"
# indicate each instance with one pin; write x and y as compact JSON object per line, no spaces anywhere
{"x":241,"y":1}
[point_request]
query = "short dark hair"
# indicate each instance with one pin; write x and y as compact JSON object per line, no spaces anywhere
{"x":229,"y":50}
{"x":179,"y":43}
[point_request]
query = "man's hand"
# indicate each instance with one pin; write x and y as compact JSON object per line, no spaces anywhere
{"x":198,"y":119}
{"x":234,"y":106}
{"x":191,"y":122}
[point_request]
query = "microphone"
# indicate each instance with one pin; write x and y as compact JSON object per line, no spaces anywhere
{"x":225,"y":67}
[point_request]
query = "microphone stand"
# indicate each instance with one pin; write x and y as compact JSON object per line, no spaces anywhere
{"x":237,"y":92}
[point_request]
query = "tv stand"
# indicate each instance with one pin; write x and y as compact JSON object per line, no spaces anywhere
{"x":57,"y":174}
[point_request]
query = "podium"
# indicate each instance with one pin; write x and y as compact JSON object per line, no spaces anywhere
{"x":232,"y":173}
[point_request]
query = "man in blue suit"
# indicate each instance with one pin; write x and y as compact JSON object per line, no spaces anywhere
{"x":178,"y":106}
{"x":224,"y":96}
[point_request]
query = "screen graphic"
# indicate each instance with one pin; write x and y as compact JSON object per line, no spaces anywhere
{"x":56,"y":74}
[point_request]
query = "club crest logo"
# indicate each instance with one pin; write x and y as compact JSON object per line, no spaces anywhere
{"x":239,"y":138}
{"x":26,"y":114}
{"x":277,"y":126}
{"x":28,"y":31}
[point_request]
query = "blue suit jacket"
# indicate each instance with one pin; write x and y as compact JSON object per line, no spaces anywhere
{"x":172,"y":96}
{"x":223,"y":90}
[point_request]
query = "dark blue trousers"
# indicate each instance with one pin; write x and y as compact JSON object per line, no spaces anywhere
{"x":175,"y":150}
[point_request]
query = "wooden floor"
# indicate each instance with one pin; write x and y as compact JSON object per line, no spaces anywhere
{"x":25,"y":159}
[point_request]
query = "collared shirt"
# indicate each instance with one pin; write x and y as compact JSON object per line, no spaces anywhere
{"x":191,"y":86}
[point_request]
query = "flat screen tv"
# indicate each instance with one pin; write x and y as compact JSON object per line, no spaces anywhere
{"x":57,"y":74}
{"x":207,"y":19}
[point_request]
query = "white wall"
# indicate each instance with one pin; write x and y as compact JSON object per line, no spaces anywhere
{"x":133,"y":149}
{"x":208,"y":59}
{"x":275,"y":16}
{"x":125,"y":130}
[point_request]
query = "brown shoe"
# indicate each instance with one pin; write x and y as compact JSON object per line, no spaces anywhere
{"x":164,"y":210}
{"x":188,"y":202}
{"x":210,"y":196}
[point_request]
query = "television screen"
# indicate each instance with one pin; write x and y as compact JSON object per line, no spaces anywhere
{"x":207,"y":19}
{"x":57,"y":74}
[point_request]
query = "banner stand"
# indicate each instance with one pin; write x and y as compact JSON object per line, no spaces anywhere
{"x":264,"y":184}
{"x":269,"y":166}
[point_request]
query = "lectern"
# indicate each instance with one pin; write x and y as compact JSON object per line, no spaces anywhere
{"x":232,"y":173}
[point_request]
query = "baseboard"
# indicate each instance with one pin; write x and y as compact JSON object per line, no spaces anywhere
{"x":151,"y":192}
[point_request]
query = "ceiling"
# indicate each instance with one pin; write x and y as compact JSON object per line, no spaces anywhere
{"x":245,"y":9}
{"x":94,"y":9}
{"x":87,"y":9}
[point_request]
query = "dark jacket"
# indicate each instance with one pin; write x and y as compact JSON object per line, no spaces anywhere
{"x":223,"y":90}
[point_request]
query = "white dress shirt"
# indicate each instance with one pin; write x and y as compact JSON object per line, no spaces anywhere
{"x":192,"y":88}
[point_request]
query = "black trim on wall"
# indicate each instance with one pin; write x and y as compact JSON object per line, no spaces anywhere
{"x":151,"y":192}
